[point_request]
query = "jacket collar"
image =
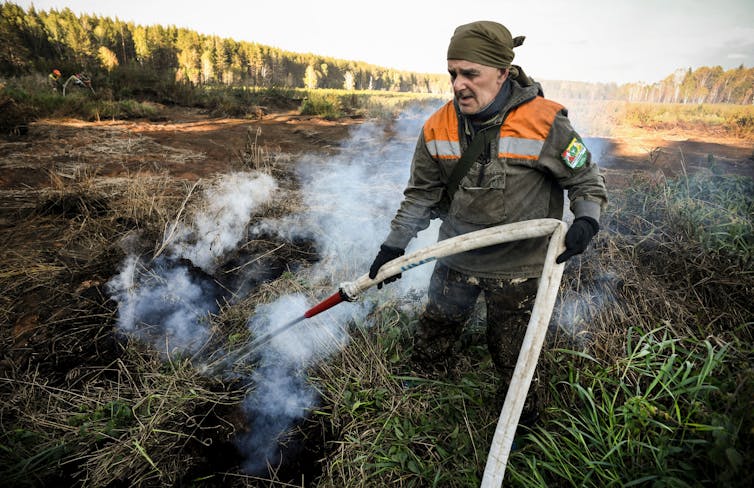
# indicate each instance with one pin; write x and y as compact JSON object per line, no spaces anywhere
{"x":516,"y":95}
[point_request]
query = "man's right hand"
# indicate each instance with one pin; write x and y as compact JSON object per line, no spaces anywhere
{"x":385,"y":255}
{"x":578,"y":236}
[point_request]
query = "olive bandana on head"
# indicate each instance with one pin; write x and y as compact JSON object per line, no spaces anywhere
{"x":484,"y":42}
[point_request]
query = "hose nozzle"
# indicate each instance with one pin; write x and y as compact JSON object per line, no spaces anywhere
{"x":327,"y":303}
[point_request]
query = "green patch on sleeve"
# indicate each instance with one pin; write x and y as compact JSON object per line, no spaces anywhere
{"x":575,"y":154}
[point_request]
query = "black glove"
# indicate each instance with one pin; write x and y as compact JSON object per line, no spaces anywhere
{"x":578,"y":236}
{"x":386,"y":254}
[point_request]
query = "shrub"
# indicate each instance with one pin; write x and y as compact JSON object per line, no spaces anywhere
{"x":325,"y":105}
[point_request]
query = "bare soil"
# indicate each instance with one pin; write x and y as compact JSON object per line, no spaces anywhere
{"x":669,"y":153}
{"x":191,"y":145}
{"x":186,"y":145}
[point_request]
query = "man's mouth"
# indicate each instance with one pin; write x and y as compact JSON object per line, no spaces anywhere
{"x":464,"y":96}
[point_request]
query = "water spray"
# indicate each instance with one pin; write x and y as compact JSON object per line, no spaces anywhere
{"x":350,"y":291}
{"x":533,"y":339}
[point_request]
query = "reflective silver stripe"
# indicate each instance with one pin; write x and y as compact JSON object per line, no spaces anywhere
{"x":444,"y":149}
{"x":520,"y":146}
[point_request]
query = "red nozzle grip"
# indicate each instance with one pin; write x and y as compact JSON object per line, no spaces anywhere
{"x":329,"y":302}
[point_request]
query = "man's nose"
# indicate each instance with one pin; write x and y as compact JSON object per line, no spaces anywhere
{"x":459,"y":84}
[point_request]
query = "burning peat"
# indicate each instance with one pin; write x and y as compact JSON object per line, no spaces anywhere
{"x":348,"y":200}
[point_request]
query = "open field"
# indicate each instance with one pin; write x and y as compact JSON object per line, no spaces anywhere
{"x":90,"y":398}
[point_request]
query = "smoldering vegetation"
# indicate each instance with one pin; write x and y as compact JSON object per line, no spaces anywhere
{"x":179,"y":278}
{"x":129,"y":305}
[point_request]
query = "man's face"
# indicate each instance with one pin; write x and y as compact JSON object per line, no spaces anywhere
{"x":474,"y":85}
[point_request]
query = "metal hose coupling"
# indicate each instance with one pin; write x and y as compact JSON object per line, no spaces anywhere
{"x":350,"y":290}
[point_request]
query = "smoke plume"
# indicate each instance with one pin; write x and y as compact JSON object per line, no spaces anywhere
{"x":166,"y":301}
{"x":162,"y":303}
{"x":349,"y":200}
{"x":219,"y":227}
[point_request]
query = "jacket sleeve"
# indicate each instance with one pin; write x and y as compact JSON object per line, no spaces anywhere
{"x":585,"y":185}
{"x":422,"y":193}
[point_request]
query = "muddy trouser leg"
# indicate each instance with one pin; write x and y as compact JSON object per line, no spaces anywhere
{"x":451,"y":301}
{"x":509,"y":304}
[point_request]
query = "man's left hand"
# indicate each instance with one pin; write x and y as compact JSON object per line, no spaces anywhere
{"x":578,"y":237}
{"x":385,"y":255}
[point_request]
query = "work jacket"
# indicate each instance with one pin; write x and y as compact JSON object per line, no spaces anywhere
{"x":522,"y":175}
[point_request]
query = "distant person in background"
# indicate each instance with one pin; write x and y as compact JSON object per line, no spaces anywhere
{"x":54,"y":80}
{"x":518,"y":153}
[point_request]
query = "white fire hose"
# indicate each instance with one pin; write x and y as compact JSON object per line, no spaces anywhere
{"x":535,"y":332}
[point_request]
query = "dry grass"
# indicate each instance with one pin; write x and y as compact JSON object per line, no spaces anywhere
{"x":612,"y":118}
{"x":255,"y":156}
{"x":134,"y":419}
{"x":645,"y":270}
{"x":77,"y":402}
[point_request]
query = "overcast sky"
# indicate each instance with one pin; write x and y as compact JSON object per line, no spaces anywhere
{"x":589,"y":40}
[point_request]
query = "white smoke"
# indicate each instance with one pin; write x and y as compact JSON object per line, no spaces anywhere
{"x":350,"y":200}
{"x":220,"y":225}
{"x":282,"y":394}
{"x":163,"y":303}
{"x":352,"y":197}
{"x":576,"y":310}
{"x":166,"y":301}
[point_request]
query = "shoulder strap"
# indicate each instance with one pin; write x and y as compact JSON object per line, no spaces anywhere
{"x":480,"y":139}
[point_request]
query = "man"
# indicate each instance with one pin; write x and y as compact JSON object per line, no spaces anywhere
{"x":53,"y":79}
{"x":520,"y":153}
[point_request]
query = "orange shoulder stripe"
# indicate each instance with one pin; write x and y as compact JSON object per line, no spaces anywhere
{"x":441,"y":133}
{"x":525,"y":129}
{"x":531,"y":120}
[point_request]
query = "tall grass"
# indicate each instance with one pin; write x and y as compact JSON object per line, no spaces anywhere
{"x":31,"y":102}
{"x":397,"y":426}
{"x":736,"y":120}
{"x":653,"y":416}
{"x":327,"y":105}
{"x":28,"y":98}
{"x":715,"y":211}
{"x":333,"y":103}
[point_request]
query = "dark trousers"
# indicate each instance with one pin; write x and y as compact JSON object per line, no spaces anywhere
{"x":452,"y":297}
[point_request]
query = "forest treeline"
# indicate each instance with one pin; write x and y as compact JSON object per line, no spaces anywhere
{"x":38,"y":41}
{"x":702,"y":85}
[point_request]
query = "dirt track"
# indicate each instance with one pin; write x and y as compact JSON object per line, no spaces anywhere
{"x":189,"y":145}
